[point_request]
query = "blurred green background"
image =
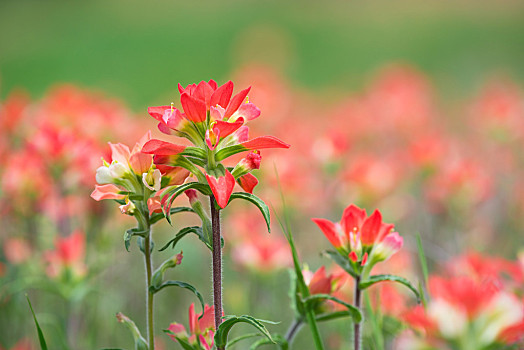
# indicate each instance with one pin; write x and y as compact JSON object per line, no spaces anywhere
{"x":140,"y":50}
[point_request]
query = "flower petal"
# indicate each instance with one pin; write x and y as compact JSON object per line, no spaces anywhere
{"x":248,"y":182}
{"x":248,"y":111}
{"x":221,"y":187}
{"x":265,"y":142}
{"x":108,"y":191}
{"x":235,"y":102}
{"x":194,"y":109}
{"x":330,"y":231}
{"x":370,"y":229}
{"x":227,"y":128}
{"x":162,"y":148}
{"x":222,"y":95}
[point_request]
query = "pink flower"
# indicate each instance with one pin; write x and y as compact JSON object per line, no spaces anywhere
{"x":357,"y":233}
{"x":69,"y":253}
{"x":321,"y":283}
{"x":203,"y":329}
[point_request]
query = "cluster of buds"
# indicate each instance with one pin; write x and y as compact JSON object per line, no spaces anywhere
{"x":132,"y":173}
{"x":364,"y":240}
{"x":213,"y":120}
{"x":201,"y":330}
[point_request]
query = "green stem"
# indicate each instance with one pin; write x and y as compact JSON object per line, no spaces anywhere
{"x":150,"y":295}
{"x":143,"y":223}
{"x":312,"y":322}
{"x":357,"y":336}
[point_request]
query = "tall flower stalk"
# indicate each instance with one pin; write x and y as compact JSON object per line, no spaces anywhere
{"x":133,"y":181}
{"x":213,"y":120}
{"x":217,"y":261}
{"x":361,"y":241}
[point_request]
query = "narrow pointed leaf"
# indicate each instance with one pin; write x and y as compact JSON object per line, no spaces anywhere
{"x":355,"y":313}
{"x":382,"y":278}
{"x":278,"y":339}
{"x":159,"y":216}
{"x":176,"y":191}
{"x":182,"y":233}
{"x":422,"y":258}
{"x":342,"y":262}
{"x":229,"y":321}
{"x":256,"y":201}
{"x":194,"y":152}
{"x":130,"y":233}
{"x":333,"y":316}
{"x":179,"y":284}
{"x":227,"y":152}
{"x":41,"y":338}
{"x":242,"y":337}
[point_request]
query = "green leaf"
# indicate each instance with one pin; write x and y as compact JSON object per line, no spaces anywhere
{"x":227,"y":152}
{"x":159,"y":216}
{"x":296,"y":303}
{"x":41,"y":338}
{"x":195,"y":152}
{"x":185,"y":163}
{"x":130,"y":233}
{"x":355,"y":312}
{"x":256,"y":201}
{"x":242,"y":337}
{"x":422,"y":258}
{"x":229,"y":321}
{"x":278,"y":339}
{"x":175,"y":191}
{"x":179,"y":284}
{"x":381,"y":278}
{"x":342,"y":262}
{"x":333,"y":316}
{"x":197,"y":230}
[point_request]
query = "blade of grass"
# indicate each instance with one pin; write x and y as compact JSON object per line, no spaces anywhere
{"x":41,"y":338}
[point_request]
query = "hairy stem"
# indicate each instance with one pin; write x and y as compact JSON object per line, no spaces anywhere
{"x":150,"y":295}
{"x":357,"y":302}
{"x":217,"y":263}
{"x":293,"y":330}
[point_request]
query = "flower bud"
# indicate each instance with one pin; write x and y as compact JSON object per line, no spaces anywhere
{"x":152,"y":179}
{"x":140,"y":342}
{"x":103,"y":175}
{"x":192,"y":195}
{"x":246,"y":165}
{"x":128,"y":208}
{"x":387,"y":247}
{"x":118,"y":170}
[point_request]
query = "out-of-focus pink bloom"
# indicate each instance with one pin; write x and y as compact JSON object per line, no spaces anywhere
{"x":459,"y":305}
{"x":16,"y":250}
{"x":203,"y":329}
{"x":322,"y":283}
{"x":24,"y":344}
{"x":69,"y":253}
{"x":252,"y":248}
